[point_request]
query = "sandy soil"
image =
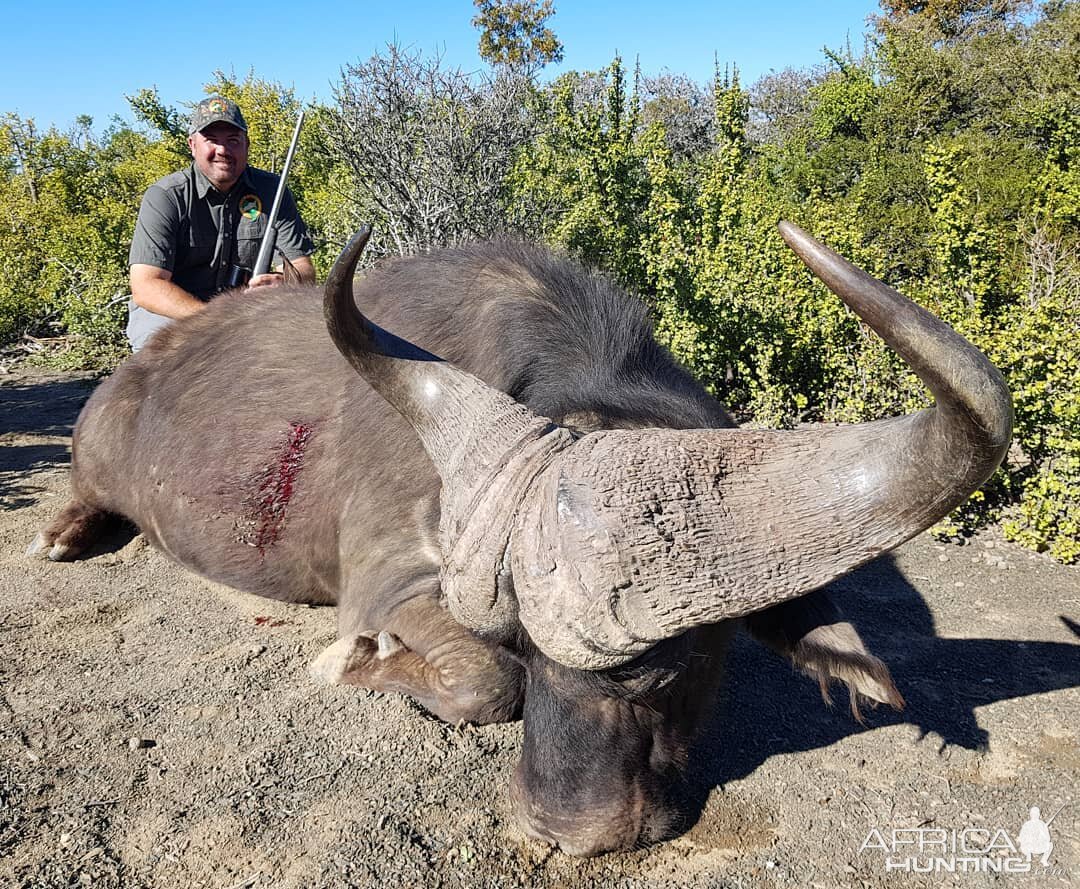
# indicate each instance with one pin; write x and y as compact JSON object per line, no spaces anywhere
{"x":157,"y":730}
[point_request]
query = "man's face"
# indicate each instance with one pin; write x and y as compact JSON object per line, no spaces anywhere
{"x":220,"y":151}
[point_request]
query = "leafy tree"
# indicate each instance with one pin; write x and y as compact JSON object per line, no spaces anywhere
{"x":68,"y":213}
{"x":953,"y":18}
{"x":514,"y":33}
{"x":582,"y":179}
{"x":169,"y":123}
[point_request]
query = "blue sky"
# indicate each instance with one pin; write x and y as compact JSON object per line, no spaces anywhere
{"x":63,"y":58}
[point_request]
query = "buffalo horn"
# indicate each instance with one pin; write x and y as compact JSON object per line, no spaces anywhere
{"x":634,"y":536}
{"x":486,"y":447}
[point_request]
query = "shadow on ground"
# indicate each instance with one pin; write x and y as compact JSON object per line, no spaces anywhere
{"x":770,"y":710}
{"x":46,"y":408}
{"x":29,"y":412}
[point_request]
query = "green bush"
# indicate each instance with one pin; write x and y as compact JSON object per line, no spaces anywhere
{"x":946,"y":162}
{"x":977,"y":224}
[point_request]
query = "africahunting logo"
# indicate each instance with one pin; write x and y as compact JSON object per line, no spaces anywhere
{"x":926,"y":850}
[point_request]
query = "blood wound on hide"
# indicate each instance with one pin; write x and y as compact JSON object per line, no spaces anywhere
{"x":265,"y":510}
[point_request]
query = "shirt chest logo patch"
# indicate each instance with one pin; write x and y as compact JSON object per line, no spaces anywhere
{"x":250,"y":206}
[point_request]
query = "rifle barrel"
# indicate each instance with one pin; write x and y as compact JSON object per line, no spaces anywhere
{"x":266,"y":248}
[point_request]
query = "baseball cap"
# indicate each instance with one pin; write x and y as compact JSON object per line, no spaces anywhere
{"x":216,"y":109}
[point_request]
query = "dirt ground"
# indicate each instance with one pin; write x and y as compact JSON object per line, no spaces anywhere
{"x":157,"y":730}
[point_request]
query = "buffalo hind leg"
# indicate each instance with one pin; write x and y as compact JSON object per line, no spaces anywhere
{"x":72,"y":532}
{"x":428,"y":656}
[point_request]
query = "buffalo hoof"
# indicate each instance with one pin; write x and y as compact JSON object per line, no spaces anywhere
{"x":58,"y":552}
{"x":388,"y":645}
{"x":39,"y":545}
{"x":75,"y":529}
{"x":338,"y":659}
{"x":352,"y":653}
{"x":457,"y":690}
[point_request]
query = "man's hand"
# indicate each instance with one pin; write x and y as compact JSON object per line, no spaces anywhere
{"x":270,"y":279}
{"x":303,"y":267}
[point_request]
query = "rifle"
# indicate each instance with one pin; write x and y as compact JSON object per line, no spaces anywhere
{"x":238,"y":275}
{"x":269,"y":241}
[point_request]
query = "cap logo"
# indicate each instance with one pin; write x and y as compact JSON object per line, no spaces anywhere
{"x":250,"y":206}
{"x":215,"y":109}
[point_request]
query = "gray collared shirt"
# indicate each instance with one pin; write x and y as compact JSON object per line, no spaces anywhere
{"x":189,"y":228}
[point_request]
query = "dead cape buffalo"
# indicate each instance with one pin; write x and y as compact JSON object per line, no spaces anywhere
{"x":580,"y":528}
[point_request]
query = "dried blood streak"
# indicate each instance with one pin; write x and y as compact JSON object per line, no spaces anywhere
{"x":277,"y":488}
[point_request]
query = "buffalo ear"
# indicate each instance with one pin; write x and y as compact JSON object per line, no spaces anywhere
{"x":809,"y":633}
{"x":292,"y":276}
{"x":837,"y":652}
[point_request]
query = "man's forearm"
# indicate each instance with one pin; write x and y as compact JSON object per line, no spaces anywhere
{"x":165,"y":298}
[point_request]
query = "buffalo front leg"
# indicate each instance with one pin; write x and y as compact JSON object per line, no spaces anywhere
{"x":419,"y":650}
{"x":74,"y":530}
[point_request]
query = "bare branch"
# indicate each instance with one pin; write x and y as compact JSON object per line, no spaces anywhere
{"x":428,"y":148}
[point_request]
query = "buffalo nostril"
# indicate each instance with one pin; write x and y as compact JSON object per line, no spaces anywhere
{"x":533,"y":831}
{"x":582,"y":837}
{"x":585,"y":849}
{"x":582,"y":846}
